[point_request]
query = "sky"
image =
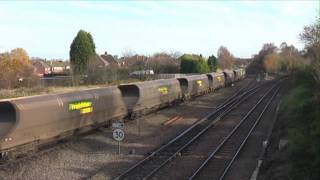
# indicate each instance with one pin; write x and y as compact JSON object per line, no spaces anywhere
{"x":46,"y":29}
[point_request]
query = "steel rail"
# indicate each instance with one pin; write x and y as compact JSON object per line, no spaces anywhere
{"x":248,"y":135}
{"x":194,"y":138}
{"x":226,"y":104}
{"x":196,"y":173}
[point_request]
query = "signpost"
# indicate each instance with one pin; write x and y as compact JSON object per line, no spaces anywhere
{"x":118,"y":133}
{"x":138,"y":125}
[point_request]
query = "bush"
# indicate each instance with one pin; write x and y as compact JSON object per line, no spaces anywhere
{"x":106,"y":75}
{"x":193,"y":64}
{"x":302,"y":105}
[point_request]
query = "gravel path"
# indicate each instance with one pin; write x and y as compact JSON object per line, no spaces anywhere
{"x":95,"y":154}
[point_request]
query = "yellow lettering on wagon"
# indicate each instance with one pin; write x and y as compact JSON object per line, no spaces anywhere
{"x":219,"y":78}
{"x":163,"y":90}
{"x":199,"y":82}
{"x":83,"y":106}
{"x":86,"y":110}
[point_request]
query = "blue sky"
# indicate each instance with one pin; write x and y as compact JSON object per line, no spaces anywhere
{"x":46,"y":29}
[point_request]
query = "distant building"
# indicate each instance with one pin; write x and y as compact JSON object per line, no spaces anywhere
{"x":242,"y":62}
{"x":109,"y":60}
{"x":58,"y":67}
{"x":41,"y":68}
{"x":135,"y":60}
{"x":46,"y":68}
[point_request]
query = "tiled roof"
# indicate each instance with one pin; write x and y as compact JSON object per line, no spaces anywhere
{"x":110,"y":59}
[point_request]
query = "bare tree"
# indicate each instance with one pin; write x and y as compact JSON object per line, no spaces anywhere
{"x":225,"y":58}
{"x":163,"y":63}
{"x":128,"y":52}
{"x":311,"y":37}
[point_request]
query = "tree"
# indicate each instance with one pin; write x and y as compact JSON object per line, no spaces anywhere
{"x":193,"y":64}
{"x":213,"y":63}
{"x":82,"y":49}
{"x":16,"y":69}
{"x":311,"y":34}
{"x":202,"y":66}
{"x":271,"y":62}
{"x":225,"y":58}
{"x":128,"y":52}
{"x":311,"y":37}
{"x":258,"y":65}
{"x":187,"y":64}
{"x":290,"y":56}
{"x":163,"y":63}
{"x":91,"y":41}
{"x":285,"y":58}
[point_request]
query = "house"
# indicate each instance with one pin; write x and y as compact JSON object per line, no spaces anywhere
{"x":135,"y":60}
{"x":109,"y":60}
{"x":242,"y":62}
{"x":57,"y":66}
{"x":49,"y":68}
{"x":41,"y":67}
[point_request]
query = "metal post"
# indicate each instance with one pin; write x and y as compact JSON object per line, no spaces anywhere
{"x":119,"y":147}
{"x":138,"y":126}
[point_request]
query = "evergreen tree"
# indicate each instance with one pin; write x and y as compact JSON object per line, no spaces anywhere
{"x":81,"y":50}
{"x":92,"y":42}
{"x":213,"y":63}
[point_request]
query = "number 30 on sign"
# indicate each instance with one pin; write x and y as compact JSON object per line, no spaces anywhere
{"x":118,"y":134}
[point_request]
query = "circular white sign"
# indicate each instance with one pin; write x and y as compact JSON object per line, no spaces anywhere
{"x":118,"y":134}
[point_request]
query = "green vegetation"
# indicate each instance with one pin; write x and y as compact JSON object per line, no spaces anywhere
{"x":302,"y":107}
{"x":191,"y":63}
{"x":311,"y":37}
{"x":82,"y":49}
{"x":213,"y":63}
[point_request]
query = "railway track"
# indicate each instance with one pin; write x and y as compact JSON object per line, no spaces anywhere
{"x":150,"y":165}
{"x":218,"y":163}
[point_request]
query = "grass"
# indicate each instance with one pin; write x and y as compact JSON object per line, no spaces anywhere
{"x":302,"y":107}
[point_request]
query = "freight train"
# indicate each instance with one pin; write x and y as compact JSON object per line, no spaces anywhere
{"x":27,"y":123}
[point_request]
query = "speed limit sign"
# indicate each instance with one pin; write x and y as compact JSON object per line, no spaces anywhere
{"x":118,"y":134}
